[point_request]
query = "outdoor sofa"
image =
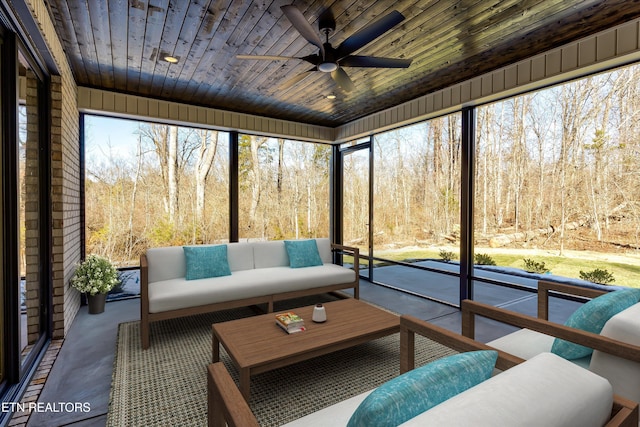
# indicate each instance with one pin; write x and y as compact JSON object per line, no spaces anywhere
{"x":546,"y":390}
{"x":254,"y":273}
{"x":616,"y":344}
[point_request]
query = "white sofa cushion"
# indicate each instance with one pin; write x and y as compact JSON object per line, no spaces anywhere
{"x":623,"y":374}
{"x":286,"y":279}
{"x":166,"y":263}
{"x":543,"y":391}
{"x":324,"y":248}
{"x":523,"y":343}
{"x":526,"y":344}
{"x":176,"y":294}
{"x":179,"y":293}
{"x":334,"y":415}
{"x":270,"y":254}
{"x":240,"y":256}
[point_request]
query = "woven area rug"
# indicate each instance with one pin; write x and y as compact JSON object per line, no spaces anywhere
{"x":166,"y":384}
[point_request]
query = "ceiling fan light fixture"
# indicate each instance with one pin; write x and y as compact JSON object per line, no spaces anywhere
{"x":327,"y":67}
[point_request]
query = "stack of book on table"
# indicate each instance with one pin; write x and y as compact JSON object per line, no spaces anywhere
{"x":290,"y":322}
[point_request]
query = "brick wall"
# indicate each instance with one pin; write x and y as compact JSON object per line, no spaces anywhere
{"x":65,"y":177}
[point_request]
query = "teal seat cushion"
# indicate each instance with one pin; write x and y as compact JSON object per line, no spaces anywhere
{"x":591,"y":317}
{"x":206,"y":261}
{"x":416,"y":391}
{"x":302,"y":253}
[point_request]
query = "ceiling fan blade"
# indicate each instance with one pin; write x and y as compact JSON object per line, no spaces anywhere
{"x":295,"y":79}
{"x":374,"y":62}
{"x":301,"y":24}
{"x":267,"y":57}
{"x":343,"y":80}
{"x":312,"y":59}
{"x":369,"y":33}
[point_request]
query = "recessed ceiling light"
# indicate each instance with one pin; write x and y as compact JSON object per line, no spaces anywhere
{"x":171,"y":59}
{"x":331,"y":97}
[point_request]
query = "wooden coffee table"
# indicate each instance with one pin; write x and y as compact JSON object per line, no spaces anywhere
{"x":256,"y":344}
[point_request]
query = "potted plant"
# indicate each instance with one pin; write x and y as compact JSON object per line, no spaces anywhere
{"x":95,"y":276}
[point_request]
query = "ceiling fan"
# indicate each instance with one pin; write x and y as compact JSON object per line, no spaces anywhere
{"x":330,"y":59}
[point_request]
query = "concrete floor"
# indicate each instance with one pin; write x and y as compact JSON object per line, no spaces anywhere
{"x":83,"y":369}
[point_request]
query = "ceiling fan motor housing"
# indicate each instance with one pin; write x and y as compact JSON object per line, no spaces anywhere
{"x":327,"y":23}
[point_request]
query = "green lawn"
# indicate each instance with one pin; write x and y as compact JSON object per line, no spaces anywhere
{"x":625,"y":271}
{"x":625,"y":274}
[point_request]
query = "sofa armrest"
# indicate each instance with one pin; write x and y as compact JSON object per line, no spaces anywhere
{"x":545,"y":287}
{"x":471,"y":309}
{"x":624,"y":413}
{"x":410,"y":325}
{"x":144,"y":275}
{"x":355,"y":253}
{"x":349,"y":250}
{"x":225,"y":403}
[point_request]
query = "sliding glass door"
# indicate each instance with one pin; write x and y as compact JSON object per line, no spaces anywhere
{"x":30,"y":209}
{"x":25,"y":315}
{"x":356,"y":201}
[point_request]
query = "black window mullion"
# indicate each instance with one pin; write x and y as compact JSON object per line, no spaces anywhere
{"x":466,"y":203}
{"x":234,"y":188}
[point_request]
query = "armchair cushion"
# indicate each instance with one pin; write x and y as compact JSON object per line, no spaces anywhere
{"x":416,"y":391}
{"x":543,"y":391}
{"x":623,"y":374}
{"x":591,"y":317}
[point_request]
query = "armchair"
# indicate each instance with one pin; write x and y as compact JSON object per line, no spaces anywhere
{"x":616,"y":354}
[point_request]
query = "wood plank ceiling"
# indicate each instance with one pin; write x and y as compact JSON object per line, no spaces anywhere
{"x":118,"y":45}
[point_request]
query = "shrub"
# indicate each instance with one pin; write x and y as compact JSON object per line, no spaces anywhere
{"x":483,"y":259}
{"x":531,"y":266}
{"x":95,"y":275}
{"x":446,"y":256}
{"x":601,"y":276}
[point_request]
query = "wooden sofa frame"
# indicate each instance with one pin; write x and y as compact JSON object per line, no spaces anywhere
{"x":146,"y":317}
{"x":226,"y":406}
{"x":471,"y":309}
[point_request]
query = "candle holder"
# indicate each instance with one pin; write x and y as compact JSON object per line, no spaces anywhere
{"x":319,"y":314}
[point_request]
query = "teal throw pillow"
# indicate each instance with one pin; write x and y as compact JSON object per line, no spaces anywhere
{"x":206,"y":261}
{"x":416,"y":391}
{"x":302,"y":253}
{"x":591,"y":317}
